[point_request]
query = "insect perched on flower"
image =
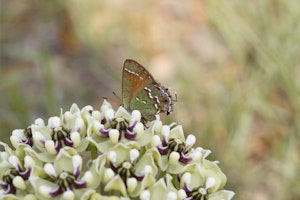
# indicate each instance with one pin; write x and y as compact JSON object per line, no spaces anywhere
{"x":141,"y":92}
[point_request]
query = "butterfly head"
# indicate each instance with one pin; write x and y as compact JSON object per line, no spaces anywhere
{"x":167,"y":101}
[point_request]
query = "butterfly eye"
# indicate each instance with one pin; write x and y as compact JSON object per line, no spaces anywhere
{"x":165,"y":100}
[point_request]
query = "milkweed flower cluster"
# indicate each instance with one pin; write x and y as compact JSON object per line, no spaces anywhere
{"x":109,"y":155}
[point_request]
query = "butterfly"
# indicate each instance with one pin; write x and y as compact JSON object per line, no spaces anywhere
{"x":141,"y":92}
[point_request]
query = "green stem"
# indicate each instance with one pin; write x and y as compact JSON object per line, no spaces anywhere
{"x":93,"y":150}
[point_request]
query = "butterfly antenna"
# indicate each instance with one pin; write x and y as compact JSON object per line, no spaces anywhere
{"x":118,"y":97}
{"x":174,"y":101}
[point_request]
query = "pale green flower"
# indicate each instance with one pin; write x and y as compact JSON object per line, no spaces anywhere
{"x":128,"y":171}
{"x":117,"y":127}
{"x":172,"y":151}
{"x":65,"y":177}
{"x":200,"y":180}
{"x":15,"y":169}
{"x":91,"y":154}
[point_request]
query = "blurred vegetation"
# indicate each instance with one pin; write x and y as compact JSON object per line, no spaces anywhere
{"x":233,"y":64}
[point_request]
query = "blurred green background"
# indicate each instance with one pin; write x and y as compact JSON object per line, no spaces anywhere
{"x":233,"y":64}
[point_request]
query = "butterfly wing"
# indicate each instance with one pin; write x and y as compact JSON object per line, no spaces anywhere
{"x":152,"y":100}
{"x":135,"y":78}
{"x":141,"y":92}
